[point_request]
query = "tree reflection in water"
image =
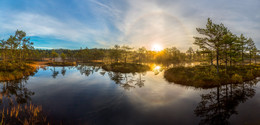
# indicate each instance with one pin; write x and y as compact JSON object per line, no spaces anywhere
{"x":63,"y":71}
{"x":15,"y":104}
{"x":219,"y":105}
{"x":87,"y":70}
{"x":125,"y":80}
{"x":139,"y":80}
{"x":54,"y":72}
{"x":15,"y":92}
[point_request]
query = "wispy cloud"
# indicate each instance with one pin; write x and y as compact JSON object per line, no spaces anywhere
{"x":98,"y":23}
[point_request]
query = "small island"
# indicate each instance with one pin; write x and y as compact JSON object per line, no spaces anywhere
{"x":230,"y":59}
{"x":207,"y":77}
{"x":15,"y":51}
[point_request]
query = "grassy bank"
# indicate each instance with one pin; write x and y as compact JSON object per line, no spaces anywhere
{"x":207,"y":77}
{"x":15,"y":71}
{"x":61,"y":63}
{"x":126,"y":68}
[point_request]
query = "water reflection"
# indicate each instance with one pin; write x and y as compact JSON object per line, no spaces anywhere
{"x":15,"y":92}
{"x":219,"y":105}
{"x":140,"y":82}
{"x":157,"y":69}
{"x":87,"y":70}
{"x":16,"y":106}
{"x":126,"y":80}
{"x":63,"y":71}
{"x":215,"y":107}
{"x":54,"y":72}
{"x":89,"y":94}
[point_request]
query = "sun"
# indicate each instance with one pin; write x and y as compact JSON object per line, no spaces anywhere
{"x":157,"y":47}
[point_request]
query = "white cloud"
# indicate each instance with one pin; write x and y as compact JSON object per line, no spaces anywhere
{"x":139,"y":22}
{"x":44,"y":25}
{"x":174,"y":23}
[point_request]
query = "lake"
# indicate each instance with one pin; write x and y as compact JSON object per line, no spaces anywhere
{"x":90,"y":95}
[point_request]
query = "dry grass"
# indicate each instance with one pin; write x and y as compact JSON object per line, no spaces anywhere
{"x":23,"y":115}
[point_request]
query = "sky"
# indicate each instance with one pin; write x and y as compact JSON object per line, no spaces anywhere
{"x":73,"y":24}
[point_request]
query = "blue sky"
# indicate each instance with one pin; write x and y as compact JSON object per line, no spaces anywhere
{"x":103,"y":23}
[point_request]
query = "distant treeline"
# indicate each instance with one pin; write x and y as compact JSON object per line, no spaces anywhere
{"x":234,"y":55}
{"x":123,"y":54}
{"x":218,"y":46}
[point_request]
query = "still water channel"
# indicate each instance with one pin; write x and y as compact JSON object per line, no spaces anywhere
{"x":90,"y":95}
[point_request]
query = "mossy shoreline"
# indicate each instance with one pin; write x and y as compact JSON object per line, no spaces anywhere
{"x":17,"y":73}
{"x":126,"y":67}
{"x":207,"y":77}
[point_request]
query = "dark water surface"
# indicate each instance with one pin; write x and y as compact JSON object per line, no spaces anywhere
{"x":90,"y":95}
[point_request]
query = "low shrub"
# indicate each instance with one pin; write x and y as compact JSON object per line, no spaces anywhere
{"x":236,"y":78}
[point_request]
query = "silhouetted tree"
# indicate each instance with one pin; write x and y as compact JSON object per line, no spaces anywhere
{"x":213,"y":39}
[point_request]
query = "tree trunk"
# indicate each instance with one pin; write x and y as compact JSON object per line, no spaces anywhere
{"x":242,"y":55}
{"x":230,"y":59}
{"x":211,"y":58}
{"x":226,"y":56}
{"x":250,"y":56}
{"x":217,"y":61}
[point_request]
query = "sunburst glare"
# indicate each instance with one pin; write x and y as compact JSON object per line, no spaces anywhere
{"x":157,"y":47}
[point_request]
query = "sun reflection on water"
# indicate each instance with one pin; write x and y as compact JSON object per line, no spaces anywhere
{"x":157,"y":69}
